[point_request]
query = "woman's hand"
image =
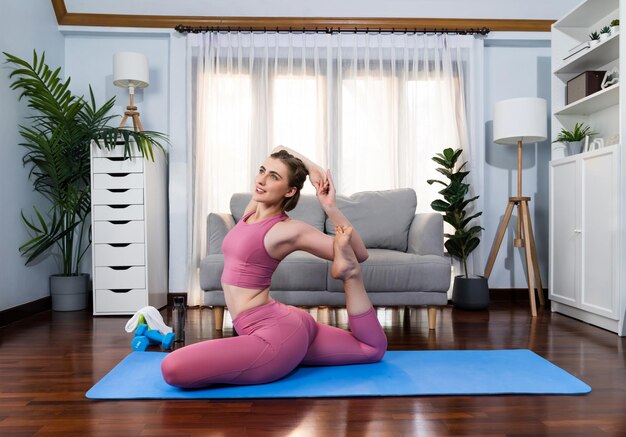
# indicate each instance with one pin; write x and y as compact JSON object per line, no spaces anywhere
{"x":317,"y":176}
{"x":325,"y":192}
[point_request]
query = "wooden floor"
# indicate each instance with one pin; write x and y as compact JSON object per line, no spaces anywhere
{"x":49,"y":361}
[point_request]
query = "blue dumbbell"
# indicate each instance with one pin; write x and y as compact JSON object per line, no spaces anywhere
{"x":145,"y":337}
{"x":140,"y":343}
{"x":155,"y":336}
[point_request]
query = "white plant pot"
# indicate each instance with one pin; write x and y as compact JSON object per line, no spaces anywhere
{"x":559,"y":151}
{"x":614,"y":30}
{"x":604,"y":37}
{"x":574,"y":148}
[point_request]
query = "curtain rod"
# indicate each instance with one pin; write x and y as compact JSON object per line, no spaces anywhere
{"x":330,"y":30}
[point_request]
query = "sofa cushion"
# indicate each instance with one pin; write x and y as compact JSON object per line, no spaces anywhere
{"x":218,"y":225}
{"x":238,"y":203}
{"x":211,"y":268}
{"x":300,"y":271}
{"x":390,"y":270}
{"x":308,"y":209}
{"x":382,"y":218}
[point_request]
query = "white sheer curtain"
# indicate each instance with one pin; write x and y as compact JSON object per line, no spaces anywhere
{"x":374,"y":108}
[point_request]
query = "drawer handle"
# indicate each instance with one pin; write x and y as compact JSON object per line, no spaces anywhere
{"x":119,"y":222}
{"x":120,"y":290}
{"x":118,"y":175}
{"x":118,"y":190}
{"x":119,"y":244}
{"x":117,"y":159}
{"x":118,"y":206}
{"x":120,"y":267}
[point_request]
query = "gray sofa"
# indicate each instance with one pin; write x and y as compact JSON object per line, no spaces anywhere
{"x":406,"y":264}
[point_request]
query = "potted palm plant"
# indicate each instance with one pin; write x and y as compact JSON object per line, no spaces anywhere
{"x":469,"y":291}
{"x":57,"y":139}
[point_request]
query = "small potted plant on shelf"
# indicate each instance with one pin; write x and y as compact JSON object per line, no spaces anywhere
{"x":469,"y":291}
{"x":594,"y":37}
{"x":604,"y":33}
{"x":615,"y":27}
{"x":57,"y":138}
{"x":573,"y":139}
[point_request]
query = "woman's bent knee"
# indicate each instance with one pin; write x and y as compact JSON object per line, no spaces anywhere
{"x":173,"y":373}
{"x":376,"y":352}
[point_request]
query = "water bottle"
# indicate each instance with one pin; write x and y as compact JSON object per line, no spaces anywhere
{"x":178,"y":319}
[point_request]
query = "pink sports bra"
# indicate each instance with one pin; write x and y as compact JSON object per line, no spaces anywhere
{"x":246,"y":261}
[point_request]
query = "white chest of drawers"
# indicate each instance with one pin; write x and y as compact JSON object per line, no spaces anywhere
{"x":129,"y":231}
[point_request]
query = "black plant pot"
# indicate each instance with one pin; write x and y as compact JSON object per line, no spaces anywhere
{"x":470,"y":293}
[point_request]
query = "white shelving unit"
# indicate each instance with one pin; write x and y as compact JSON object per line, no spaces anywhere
{"x":587,"y":239}
{"x":591,"y":104}
{"x":129,"y":232}
{"x":600,"y":54}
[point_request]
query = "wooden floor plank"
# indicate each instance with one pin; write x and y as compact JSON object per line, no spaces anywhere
{"x":49,"y":361}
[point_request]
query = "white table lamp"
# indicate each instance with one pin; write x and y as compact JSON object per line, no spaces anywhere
{"x":520,"y":121}
{"x":130,"y":70}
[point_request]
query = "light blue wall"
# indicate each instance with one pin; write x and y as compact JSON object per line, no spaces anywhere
{"x":515,"y":69}
{"x":89,"y":61}
{"x":511,"y":70}
{"x":24,"y":26}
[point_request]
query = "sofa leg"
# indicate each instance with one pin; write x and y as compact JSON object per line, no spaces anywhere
{"x":218,"y":316}
{"x":432,"y":317}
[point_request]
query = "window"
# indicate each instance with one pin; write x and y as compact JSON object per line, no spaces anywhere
{"x":374,"y":108}
{"x":298,"y":116}
{"x":367,"y":114}
{"x":227,"y":123}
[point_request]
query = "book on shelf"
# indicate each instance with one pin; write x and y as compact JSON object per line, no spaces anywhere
{"x":577,"y":49}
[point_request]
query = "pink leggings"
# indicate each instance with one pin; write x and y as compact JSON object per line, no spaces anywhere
{"x":273,"y":340}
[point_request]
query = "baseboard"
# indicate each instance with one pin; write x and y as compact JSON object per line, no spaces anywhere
{"x":171,"y":296}
{"x":25,"y":310}
{"x":512,"y":294}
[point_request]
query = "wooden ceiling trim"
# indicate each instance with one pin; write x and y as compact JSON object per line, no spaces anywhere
{"x":59,"y":9}
{"x":284,"y":23}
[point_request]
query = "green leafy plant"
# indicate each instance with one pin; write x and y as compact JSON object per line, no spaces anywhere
{"x":57,"y":139}
{"x":454,"y":205}
{"x":605,"y":29}
{"x":614,"y":23}
{"x":594,"y":36}
{"x":578,"y":134}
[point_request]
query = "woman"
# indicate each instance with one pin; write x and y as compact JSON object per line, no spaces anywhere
{"x":275,"y":338}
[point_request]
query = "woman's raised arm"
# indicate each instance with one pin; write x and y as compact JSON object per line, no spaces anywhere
{"x":316,"y":173}
{"x":326,"y":195}
{"x":325,"y":192}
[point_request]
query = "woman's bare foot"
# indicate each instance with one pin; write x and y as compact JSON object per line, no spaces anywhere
{"x":345,"y":264}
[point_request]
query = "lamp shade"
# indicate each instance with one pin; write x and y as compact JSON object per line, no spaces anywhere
{"x":130,"y":69}
{"x":522,"y":119}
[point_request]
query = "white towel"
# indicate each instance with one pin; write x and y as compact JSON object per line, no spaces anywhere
{"x":153,"y":319}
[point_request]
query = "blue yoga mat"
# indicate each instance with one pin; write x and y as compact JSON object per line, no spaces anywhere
{"x":400,"y":373}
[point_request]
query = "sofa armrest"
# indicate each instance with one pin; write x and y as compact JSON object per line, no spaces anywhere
{"x":218,"y":225}
{"x":426,"y":234}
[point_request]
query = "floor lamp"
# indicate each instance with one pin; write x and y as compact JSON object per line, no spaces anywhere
{"x":130,"y":70}
{"x":519,"y":121}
